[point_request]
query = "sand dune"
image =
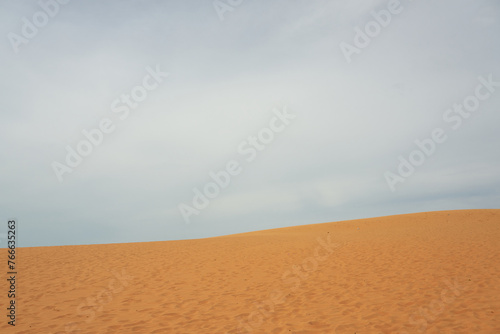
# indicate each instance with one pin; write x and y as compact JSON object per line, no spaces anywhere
{"x":436,"y":272}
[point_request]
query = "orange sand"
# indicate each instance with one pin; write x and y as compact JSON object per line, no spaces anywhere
{"x":436,"y":272}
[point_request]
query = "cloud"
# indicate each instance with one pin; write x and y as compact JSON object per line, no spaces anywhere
{"x":353,"y":119}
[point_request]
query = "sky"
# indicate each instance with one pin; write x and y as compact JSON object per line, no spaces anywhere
{"x":132,"y":121}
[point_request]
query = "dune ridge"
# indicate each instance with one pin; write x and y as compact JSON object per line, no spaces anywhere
{"x":434,"y":272}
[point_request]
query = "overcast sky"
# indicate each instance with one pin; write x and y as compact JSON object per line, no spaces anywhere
{"x":346,"y":116}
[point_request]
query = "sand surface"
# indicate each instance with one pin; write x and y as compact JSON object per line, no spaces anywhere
{"x":436,"y":272}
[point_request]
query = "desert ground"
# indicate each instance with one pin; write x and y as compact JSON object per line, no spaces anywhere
{"x":435,"y":272}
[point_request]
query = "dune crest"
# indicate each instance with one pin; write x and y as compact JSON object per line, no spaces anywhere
{"x":435,"y":272}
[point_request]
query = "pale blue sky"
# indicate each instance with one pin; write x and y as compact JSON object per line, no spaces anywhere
{"x":352,"y":120}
